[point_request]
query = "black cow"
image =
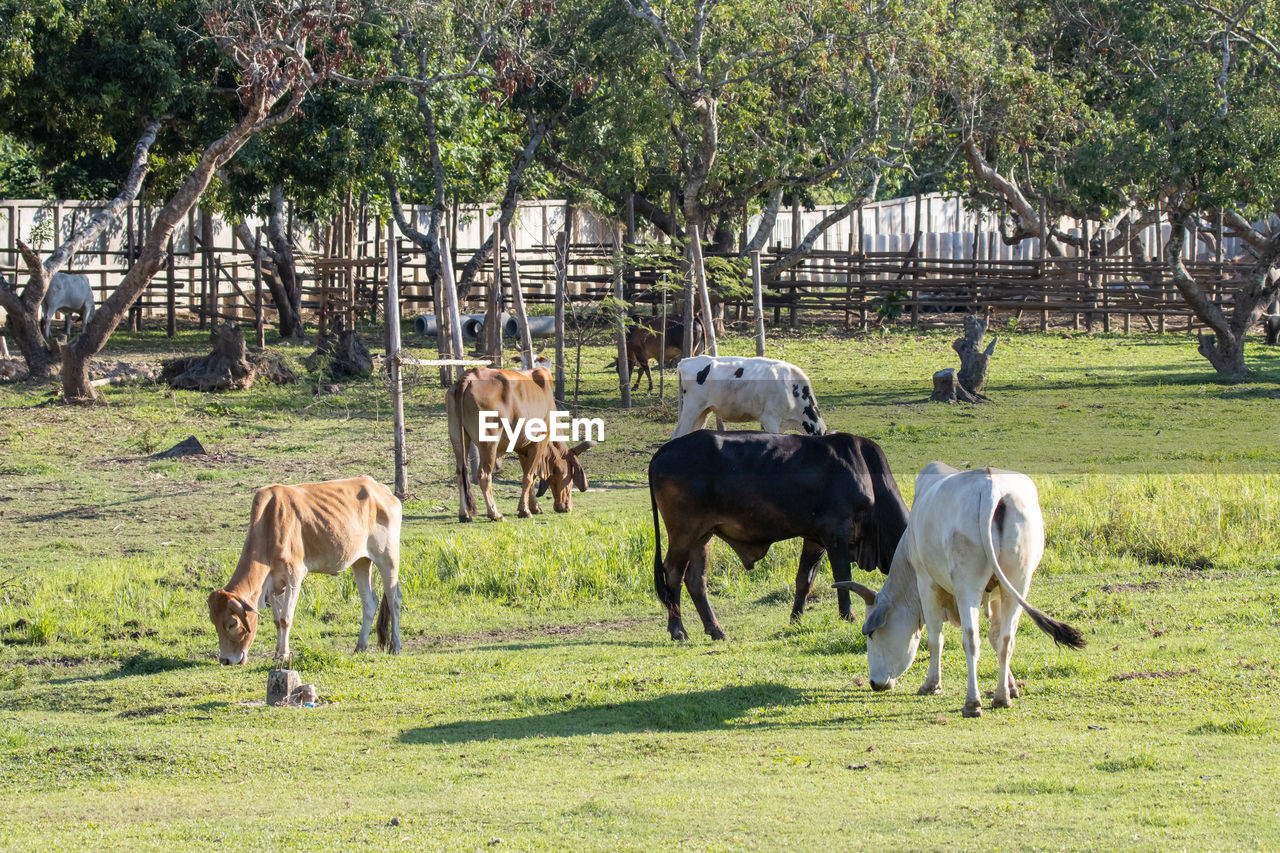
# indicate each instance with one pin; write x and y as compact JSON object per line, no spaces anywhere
{"x":644,"y":343}
{"x":755,"y":488}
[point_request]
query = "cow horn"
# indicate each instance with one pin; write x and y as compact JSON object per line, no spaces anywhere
{"x":582,"y":448}
{"x":865,"y":592}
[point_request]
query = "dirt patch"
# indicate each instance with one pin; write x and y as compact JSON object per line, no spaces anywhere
{"x":1168,"y":673}
{"x":1145,"y":586}
{"x":113,"y":370}
{"x":524,"y":633}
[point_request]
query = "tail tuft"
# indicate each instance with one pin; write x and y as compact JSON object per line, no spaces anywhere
{"x":1062,"y":633}
{"x":383,"y":625}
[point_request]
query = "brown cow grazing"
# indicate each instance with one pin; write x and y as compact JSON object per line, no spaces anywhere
{"x":511,"y":395}
{"x":644,"y":343}
{"x":312,"y":527}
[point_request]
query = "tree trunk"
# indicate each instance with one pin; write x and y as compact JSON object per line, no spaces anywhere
{"x":151,"y":258}
{"x":973,"y":359}
{"x":1224,"y":345}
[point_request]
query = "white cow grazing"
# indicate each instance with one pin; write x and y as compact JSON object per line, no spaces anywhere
{"x":737,"y":390}
{"x":973,"y":538}
{"x":68,"y":292}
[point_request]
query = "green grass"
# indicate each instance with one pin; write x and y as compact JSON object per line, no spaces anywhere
{"x":538,"y":701}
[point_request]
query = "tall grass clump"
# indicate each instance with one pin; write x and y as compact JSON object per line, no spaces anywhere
{"x":1190,"y":521}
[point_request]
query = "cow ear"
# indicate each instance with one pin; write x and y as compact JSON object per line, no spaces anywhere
{"x":578,"y":450}
{"x":876,"y":617}
{"x":579,"y":474}
{"x":866,"y":593}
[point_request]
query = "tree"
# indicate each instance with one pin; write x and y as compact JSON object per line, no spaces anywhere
{"x":735,"y":107}
{"x":277,"y":52}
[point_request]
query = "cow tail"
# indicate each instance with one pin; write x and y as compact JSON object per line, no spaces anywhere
{"x":458,"y":438}
{"x":659,"y":573}
{"x":1062,"y":633}
{"x":383,"y":624}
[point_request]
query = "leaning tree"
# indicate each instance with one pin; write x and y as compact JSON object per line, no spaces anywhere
{"x":276,"y":53}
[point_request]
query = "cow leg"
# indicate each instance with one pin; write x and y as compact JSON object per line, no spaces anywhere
{"x":529,"y":459}
{"x":67,"y":333}
{"x":934,"y":618}
{"x":689,"y":421}
{"x":771,"y":422}
{"x":283,"y":605}
{"x":695,"y":580}
{"x":486,"y":489}
{"x":389,"y":567}
{"x":1004,"y":628}
{"x":675,"y":564}
{"x":362,"y":571}
{"x":810,"y":556}
{"x":972,"y":646}
{"x":842,"y":570}
{"x":48,"y":323}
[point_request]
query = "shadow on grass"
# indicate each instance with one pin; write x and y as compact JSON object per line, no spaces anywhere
{"x":143,"y":663}
{"x":704,"y":710}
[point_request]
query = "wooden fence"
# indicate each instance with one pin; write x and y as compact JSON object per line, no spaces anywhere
{"x":342,"y":266}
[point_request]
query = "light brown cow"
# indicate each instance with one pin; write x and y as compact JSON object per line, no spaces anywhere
{"x":312,"y":527}
{"x":511,"y":395}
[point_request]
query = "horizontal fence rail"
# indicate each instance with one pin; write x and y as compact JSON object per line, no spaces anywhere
{"x":931,"y":277}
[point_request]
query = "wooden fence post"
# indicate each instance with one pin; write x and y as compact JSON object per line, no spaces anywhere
{"x":757,"y":301}
{"x":624,"y":374}
{"x":258,"y":324}
{"x":700,"y":276}
{"x":517,"y":303}
{"x":450,"y":291}
{"x":562,"y":274}
{"x":171,"y":297}
{"x":493,"y":302}
{"x":393,"y":366}
{"x":1160,"y":267}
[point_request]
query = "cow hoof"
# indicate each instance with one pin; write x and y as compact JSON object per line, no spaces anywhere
{"x":998,"y":702}
{"x":717,"y":634}
{"x":524,"y":513}
{"x":929,"y":690}
{"x":972,"y":709}
{"x":498,"y":517}
{"x":848,"y":617}
{"x":463,"y":517}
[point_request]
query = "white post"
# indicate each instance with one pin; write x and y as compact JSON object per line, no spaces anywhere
{"x":393,"y":364}
{"x":450,"y":292}
{"x":757,"y":296}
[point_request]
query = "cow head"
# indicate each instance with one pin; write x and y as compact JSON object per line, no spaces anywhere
{"x":236,"y":622}
{"x":893,"y":623}
{"x":563,"y":471}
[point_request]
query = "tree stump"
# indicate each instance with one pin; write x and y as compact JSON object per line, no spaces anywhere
{"x":950,"y":385}
{"x":230,"y":367}
{"x":281,"y":683}
{"x":344,"y":350}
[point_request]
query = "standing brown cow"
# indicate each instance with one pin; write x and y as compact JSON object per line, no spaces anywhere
{"x":644,"y":343}
{"x":511,"y":395}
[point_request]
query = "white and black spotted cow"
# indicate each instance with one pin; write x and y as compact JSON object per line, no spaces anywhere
{"x":738,"y":390}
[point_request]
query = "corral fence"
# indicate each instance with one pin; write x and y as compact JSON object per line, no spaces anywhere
{"x":923,"y":259}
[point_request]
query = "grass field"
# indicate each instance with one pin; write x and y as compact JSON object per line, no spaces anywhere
{"x":538,"y":703}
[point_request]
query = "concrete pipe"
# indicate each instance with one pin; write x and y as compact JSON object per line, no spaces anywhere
{"x":539,"y":327}
{"x":473,"y":325}
{"x":425,"y":324}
